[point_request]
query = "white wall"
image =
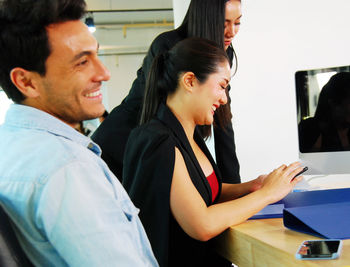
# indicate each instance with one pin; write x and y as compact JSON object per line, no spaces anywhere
{"x":180,"y":8}
{"x":4,"y":105}
{"x":277,"y":38}
{"x":123,"y":56}
{"x":123,"y":72}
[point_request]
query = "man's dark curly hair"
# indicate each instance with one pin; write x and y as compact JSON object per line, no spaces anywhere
{"x":23,"y":37}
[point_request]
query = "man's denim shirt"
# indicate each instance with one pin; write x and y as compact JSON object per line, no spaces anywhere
{"x":67,"y":207}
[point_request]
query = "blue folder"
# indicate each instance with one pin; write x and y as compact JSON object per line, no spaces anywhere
{"x":325,"y":220}
{"x":323,"y":213}
{"x":317,"y":197}
{"x":270,"y":211}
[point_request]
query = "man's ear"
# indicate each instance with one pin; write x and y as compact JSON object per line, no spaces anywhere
{"x":188,"y":80}
{"x":25,"y":82}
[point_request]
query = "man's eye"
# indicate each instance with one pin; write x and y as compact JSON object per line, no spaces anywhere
{"x":82,"y":63}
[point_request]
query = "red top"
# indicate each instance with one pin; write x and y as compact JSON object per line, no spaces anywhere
{"x":214,"y":185}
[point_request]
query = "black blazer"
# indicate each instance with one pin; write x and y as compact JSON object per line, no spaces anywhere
{"x":148,"y":170}
{"x":113,"y":133}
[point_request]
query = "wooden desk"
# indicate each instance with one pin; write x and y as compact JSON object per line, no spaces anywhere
{"x":268,"y":243}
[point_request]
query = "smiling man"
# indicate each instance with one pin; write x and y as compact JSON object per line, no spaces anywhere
{"x":67,"y":208}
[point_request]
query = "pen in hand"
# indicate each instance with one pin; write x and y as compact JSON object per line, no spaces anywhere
{"x":302,"y":171}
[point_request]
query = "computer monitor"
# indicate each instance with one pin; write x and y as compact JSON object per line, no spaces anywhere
{"x":323,"y":116}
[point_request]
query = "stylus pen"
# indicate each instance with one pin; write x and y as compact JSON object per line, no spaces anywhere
{"x":302,"y":171}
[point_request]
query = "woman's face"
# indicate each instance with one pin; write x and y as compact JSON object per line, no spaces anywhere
{"x":210,"y":95}
{"x":232,"y":20}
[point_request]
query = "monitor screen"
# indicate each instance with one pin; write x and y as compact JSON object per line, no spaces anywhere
{"x":323,"y":116}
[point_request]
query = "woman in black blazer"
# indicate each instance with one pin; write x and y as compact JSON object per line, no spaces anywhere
{"x":168,"y":170}
{"x":217,"y":20}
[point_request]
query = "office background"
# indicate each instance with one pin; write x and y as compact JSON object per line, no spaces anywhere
{"x":276,"y":38}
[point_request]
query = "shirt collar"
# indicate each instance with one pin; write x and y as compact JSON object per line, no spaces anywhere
{"x":28,"y":117}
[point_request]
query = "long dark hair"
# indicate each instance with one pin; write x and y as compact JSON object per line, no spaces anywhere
{"x":206,"y":19}
{"x":23,"y":38}
{"x":197,"y":55}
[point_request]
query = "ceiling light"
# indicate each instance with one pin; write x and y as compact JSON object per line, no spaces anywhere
{"x":89,"y":21}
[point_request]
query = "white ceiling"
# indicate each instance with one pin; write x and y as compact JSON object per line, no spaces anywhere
{"x":131,"y":4}
{"x":109,"y":12}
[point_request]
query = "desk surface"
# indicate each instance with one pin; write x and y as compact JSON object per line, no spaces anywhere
{"x":267,"y":242}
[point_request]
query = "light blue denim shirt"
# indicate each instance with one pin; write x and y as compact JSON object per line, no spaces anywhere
{"x":67,"y":207}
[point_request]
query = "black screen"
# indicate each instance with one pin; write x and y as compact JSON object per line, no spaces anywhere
{"x":323,"y":109}
{"x":319,"y":248}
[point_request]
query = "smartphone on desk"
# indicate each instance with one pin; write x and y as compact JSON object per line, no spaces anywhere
{"x":326,"y":249}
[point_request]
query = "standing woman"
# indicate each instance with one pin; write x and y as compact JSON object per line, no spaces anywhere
{"x":168,"y":171}
{"x":218,"y":21}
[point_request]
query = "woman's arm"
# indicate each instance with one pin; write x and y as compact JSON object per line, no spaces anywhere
{"x":202,"y":222}
{"x":233,"y":191}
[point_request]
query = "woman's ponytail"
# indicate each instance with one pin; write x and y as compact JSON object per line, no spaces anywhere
{"x":154,"y":91}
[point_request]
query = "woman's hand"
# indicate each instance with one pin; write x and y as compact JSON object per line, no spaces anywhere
{"x":278,"y":183}
{"x":257,"y":183}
